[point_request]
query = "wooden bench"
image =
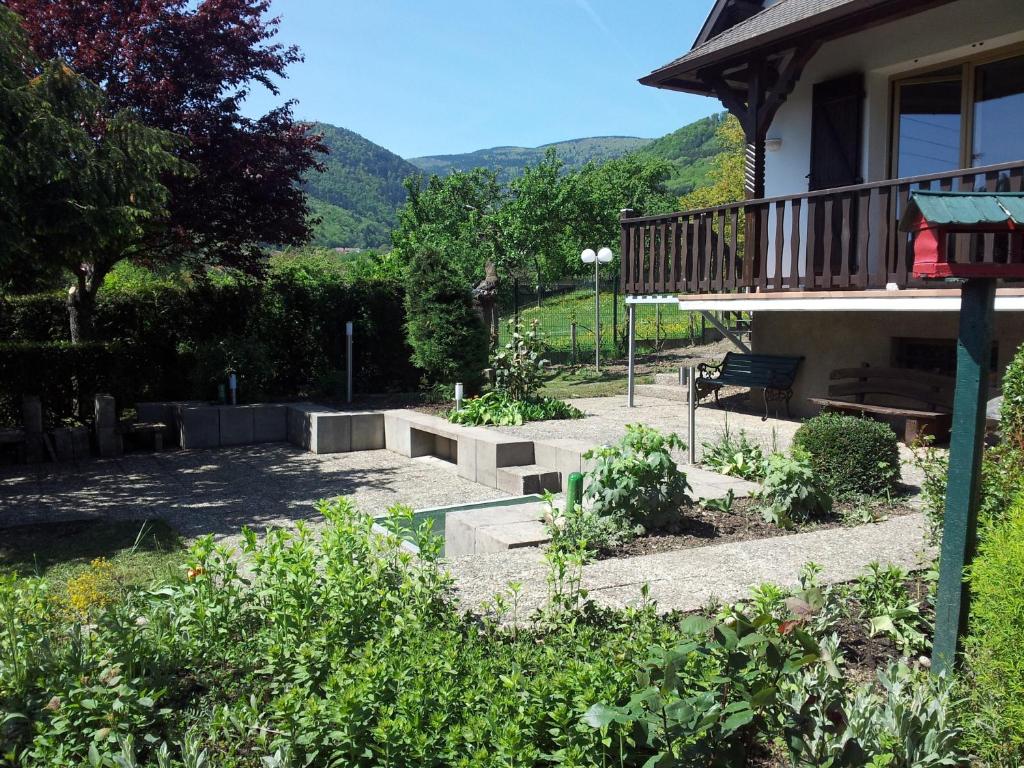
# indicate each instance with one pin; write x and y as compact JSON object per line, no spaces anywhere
{"x":930,"y":393}
{"x":773,"y":375}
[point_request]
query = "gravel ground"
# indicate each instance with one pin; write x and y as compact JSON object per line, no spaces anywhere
{"x":689,"y":579}
{"x":219,"y":491}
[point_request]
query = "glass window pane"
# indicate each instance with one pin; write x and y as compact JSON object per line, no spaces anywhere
{"x":999,"y":113}
{"x":929,"y":127}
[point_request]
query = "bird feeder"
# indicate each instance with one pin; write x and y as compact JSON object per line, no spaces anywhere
{"x":936,"y":216}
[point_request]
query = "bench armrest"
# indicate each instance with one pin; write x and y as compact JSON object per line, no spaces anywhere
{"x":709,"y":370}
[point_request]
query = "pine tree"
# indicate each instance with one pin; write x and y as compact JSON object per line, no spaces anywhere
{"x":445,"y":331}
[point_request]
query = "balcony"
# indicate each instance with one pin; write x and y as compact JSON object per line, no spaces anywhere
{"x":844,"y":239}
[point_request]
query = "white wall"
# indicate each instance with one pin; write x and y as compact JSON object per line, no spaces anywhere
{"x":949,"y":32}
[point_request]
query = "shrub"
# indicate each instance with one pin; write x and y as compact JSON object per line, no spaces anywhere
{"x":637,"y":479}
{"x":502,"y":411}
{"x":851,"y":456}
{"x":791,"y":494}
{"x":1011,"y":415}
{"x":993,"y":647}
{"x":447,"y":336}
{"x":736,"y":456}
{"x":519,"y":365}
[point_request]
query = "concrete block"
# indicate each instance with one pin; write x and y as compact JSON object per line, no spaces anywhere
{"x":62,"y":445}
{"x":397,"y":433}
{"x":466,"y":460}
{"x":109,"y":442}
{"x":32,"y":415}
{"x":105,"y":412}
{"x":198,"y":426}
{"x":269,"y":423}
{"x":498,"y":538}
{"x":236,"y":425}
{"x":298,"y":426}
{"x":529,"y":479}
{"x":80,"y":442}
{"x":330,"y":432}
{"x":367,"y":431}
{"x":493,"y":452}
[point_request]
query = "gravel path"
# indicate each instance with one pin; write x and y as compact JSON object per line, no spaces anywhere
{"x":687,"y":580}
{"x":219,"y":491}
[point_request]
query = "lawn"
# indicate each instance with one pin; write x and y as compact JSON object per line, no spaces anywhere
{"x":556,"y":314}
{"x":140,"y":552}
{"x":568,"y":383}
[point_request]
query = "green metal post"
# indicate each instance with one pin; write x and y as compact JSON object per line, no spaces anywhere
{"x":959,"y":531}
{"x":574,"y":492}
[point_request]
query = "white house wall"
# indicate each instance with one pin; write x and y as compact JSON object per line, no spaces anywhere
{"x":943,"y":34}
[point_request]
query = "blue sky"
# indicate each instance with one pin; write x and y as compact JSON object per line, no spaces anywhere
{"x":447,"y":76}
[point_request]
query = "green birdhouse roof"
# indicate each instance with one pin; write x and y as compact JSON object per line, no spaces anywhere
{"x":964,"y":209}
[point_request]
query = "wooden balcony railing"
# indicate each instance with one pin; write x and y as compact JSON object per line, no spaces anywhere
{"x":838,"y":239}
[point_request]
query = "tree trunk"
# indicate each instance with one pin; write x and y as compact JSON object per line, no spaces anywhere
{"x":82,"y":303}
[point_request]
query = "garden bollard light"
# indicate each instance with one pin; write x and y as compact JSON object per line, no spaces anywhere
{"x":459,"y":394}
{"x":348,"y":360}
{"x":574,"y":492}
{"x":233,"y":386}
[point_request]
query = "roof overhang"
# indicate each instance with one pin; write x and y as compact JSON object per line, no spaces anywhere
{"x":730,"y":52}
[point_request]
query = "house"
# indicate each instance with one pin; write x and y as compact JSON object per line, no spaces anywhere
{"x":847,"y":107}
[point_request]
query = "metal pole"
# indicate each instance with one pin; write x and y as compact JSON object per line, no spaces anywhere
{"x":615,"y":314}
{"x":572,"y":337}
{"x":691,"y":414}
{"x":597,"y":317}
{"x":959,"y":530}
{"x":348,"y":359}
{"x":631,"y":354}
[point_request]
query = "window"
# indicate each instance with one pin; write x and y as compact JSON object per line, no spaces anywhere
{"x":933,"y":355}
{"x":965,"y":116}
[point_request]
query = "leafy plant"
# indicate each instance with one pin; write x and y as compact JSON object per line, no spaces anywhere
{"x":850,"y":455}
{"x":500,"y":410}
{"x":637,"y":479}
{"x":520,"y":364}
{"x":580,"y":527}
{"x":934,"y":466}
{"x":722,"y":505}
{"x":1011,"y":414}
{"x":993,"y":646}
{"x":791,"y":494}
{"x":886,"y":606}
{"x":736,"y":456}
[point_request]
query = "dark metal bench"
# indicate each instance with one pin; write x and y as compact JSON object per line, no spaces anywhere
{"x":772,"y":375}
{"x":932,"y":395}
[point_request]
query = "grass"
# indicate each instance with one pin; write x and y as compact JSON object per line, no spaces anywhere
{"x":141,"y":552}
{"x":585,"y":382}
{"x":556,"y":314}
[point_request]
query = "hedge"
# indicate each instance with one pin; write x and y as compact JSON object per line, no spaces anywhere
{"x":284,"y":336}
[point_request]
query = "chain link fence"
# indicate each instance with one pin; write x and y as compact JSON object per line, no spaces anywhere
{"x":565,"y":315}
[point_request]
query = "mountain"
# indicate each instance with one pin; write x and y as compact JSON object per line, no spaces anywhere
{"x":358,"y":195}
{"x":511,"y":161}
{"x":691,"y":150}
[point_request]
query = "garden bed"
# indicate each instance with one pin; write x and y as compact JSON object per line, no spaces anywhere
{"x":702,"y":527}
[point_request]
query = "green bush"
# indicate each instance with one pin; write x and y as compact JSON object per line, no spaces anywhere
{"x":851,"y":456}
{"x":637,"y":480}
{"x":791,"y":493}
{"x":519,"y":365}
{"x":338,"y":647}
{"x":447,"y":336}
{"x":1011,"y":415}
{"x":993,"y":647}
{"x":500,"y":410}
{"x":285,"y":336}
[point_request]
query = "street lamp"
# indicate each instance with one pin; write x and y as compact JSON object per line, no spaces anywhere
{"x":603,"y":256}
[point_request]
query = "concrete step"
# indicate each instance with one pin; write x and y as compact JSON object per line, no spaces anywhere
{"x":494,"y":529}
{"x":528,"y":478}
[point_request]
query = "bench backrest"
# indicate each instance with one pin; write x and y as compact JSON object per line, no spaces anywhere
{"x":932,"y":389}
{"x":759,"y":370}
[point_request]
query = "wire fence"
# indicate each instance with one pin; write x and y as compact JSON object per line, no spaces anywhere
{"x":565,"y":314}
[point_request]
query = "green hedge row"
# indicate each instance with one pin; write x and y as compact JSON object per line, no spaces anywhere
{"x":285,"y":337}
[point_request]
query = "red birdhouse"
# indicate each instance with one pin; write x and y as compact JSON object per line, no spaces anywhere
{"x":935,"y":216}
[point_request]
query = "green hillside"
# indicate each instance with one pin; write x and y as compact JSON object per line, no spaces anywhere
{"x":358,"y":195}
{"x":360,"y":191}
{"x":512,"y":160}
{"x":690,"y":150}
